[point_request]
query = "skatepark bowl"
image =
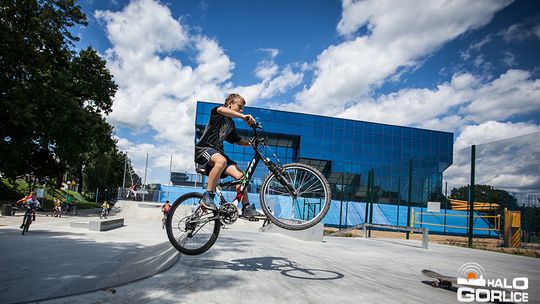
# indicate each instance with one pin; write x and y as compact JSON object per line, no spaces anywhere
{"x":57,"y":263}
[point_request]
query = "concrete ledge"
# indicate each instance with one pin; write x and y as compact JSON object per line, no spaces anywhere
{"x":313,"y":234}
{"x":105,"y":225}
{"x":366,"y":226}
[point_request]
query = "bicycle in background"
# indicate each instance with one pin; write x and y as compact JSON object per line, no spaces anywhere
{"x":27,"y":218}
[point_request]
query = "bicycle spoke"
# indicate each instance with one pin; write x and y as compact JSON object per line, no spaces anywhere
{"x":189,"y":229}
{"x":315,"y":180}
{"x":280,"y":192}
{"x":303,"y":209}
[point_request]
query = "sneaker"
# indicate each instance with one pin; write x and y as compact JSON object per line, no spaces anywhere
{"x":249,"y":212}
{"x":207,"y":201}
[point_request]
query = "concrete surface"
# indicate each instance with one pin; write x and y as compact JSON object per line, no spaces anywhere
{"x":54,"y":260}
{"x":313,"y":234}
{"x":244,"y":266}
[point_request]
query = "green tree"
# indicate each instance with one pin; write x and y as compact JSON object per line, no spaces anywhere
{"x":530,"y":219}
{"x":487,"y":194}
{"x":53,"y":101}
{"x":107,"y":171}
{"x":34,"y":48}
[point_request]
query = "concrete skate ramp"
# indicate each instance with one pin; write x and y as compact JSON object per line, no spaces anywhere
{"x":245,"y":266}
{"x":54,"y":260}
{"x":137,"y":210}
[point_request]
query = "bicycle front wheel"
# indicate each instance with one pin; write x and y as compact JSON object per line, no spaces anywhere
{"x":26,"y":222}
{"x":302,"y":209}
{"x":189,"y":229}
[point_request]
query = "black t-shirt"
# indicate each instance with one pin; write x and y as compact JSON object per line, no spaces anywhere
{"x":219,"y":128}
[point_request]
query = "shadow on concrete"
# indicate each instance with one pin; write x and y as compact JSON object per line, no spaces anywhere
{"x":285,"y":266}
{"x":451,"y":288}
{"x":59,"y":264}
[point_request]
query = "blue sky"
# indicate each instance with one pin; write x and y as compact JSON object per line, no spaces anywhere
{"x":471,"y":68}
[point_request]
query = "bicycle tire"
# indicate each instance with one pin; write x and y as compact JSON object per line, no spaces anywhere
{"x":177,"y":222}
{"x":310,"y":173}
{"x":26,"y":223}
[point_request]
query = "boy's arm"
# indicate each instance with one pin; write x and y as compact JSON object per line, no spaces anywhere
{"x":242,"y":142}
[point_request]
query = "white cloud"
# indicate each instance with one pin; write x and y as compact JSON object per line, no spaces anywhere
{"x":536,"y":30}
{"x":158,"y":92}
{"x":143,"y":18}
{"x":507,"y":156}
{"x":512,"y":93}
{"x":267,"y":68}
{"x":516,"y":33}
{"x":398,"y":36}
{"x":491,"y":131}
{"x":281,"y":82}
{"x":509,"y":59}
{"x":159,"y":159}
{"x":213,"y":65}
{"x":464,"y":100}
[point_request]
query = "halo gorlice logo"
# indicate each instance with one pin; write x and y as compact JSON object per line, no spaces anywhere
{"x":477,"y":287}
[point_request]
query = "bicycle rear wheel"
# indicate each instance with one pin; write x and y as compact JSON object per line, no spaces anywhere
{"x":306,"y":207}
{"x":190,"y":230}
{"x":26,"y":222}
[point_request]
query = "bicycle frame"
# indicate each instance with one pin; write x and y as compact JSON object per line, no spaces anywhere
{"x":248,"y":174}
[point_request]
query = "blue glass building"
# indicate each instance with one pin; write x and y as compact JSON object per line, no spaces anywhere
{"x":345,"y":150}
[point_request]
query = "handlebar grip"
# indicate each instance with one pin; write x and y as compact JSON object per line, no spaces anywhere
{"x":256,"y":125}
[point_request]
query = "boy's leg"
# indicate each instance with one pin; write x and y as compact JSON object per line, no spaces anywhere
{"x":247,"y":210}
{"x":236,"y":173}
{"x":218,"y":163}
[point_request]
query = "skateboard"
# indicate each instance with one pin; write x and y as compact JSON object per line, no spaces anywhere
{"x":441,"y":280}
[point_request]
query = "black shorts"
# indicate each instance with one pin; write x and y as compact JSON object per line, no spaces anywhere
{"x":203,"y":155}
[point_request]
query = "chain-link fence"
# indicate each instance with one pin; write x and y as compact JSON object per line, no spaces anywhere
{"x":416,"y":192}
{"x":506,"y":177}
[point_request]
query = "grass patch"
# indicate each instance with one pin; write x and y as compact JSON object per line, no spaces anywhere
{"x":12,"y":192}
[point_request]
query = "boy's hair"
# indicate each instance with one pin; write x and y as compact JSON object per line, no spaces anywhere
{"x":234,"y":98}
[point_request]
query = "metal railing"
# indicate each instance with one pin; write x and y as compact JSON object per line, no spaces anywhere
{"x":496,"y":220}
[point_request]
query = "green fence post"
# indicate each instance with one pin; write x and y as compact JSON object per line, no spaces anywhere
{"x":409,"y":198}
{"x":471,"y":196}
{"x":372,"y":200}
{"x":367,"y":197}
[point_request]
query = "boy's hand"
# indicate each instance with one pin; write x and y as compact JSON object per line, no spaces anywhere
{"x":249,"y":119}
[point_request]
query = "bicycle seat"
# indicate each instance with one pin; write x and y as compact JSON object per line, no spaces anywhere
{"x":200,"y":169}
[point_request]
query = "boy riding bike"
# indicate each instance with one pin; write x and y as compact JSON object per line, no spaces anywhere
{"x":31,"y":201}
{"x":210,"y":154}
{"x":106,"y":206}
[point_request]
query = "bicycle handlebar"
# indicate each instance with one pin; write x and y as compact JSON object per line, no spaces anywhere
{"x":256,"y":126}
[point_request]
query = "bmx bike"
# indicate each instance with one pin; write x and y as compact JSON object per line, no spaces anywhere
{"x":294,"y":196}
{"x":104,"y":213}
{"x":27,"y":219}
{"x":73,"y":210}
